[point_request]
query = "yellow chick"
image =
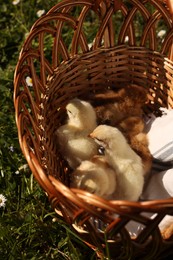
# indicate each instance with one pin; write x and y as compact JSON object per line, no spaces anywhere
{"x":126,"y":163}
{"x":124,"y":108}
{"x":132,"y":128}
{"x":73,"y":140}
{"x":95,"y":176}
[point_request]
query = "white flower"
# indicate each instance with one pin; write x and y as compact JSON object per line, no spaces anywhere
{"x":161,"y":33}
{"x":15,"y":2}
{"x":54,"y":220}
{"x":2,"y":173}
{"x":11,"y":148}
{"x":29,"y":81}
{"x":2,"y":200}
{"x":40,"y":12}
{"x":90,"y":45}
{"x":24,"y":167}
{"x":126,"y":38}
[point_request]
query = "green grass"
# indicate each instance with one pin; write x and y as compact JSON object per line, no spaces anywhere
{"x":29,"y":228}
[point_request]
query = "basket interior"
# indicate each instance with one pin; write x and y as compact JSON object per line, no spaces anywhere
{"x":96,"y":72}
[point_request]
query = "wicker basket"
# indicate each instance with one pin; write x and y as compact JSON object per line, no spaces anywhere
{"x":117,"y":56}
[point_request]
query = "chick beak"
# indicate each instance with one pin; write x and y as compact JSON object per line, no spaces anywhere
{"x":91,"y":135}
{"x":97,"y":140}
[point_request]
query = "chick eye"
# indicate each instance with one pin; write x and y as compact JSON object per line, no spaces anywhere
{"x":101,"y":150}
{"x":97,"y":139}
{"x":69,"y":111}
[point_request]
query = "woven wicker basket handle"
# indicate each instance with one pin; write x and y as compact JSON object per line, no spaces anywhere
{"x":118,"y":2}
{"x":170,"y":6}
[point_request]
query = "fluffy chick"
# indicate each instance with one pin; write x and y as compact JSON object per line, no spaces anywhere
{"x":123,"y":109}
{"x":126,"y":163}
{"x":95,"y":176}
{"x":75,"y":145}
{"x":133,"y":129}
{"x":113,"y":106}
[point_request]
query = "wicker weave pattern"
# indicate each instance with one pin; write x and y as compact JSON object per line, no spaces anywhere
{"x":60,"y":72}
